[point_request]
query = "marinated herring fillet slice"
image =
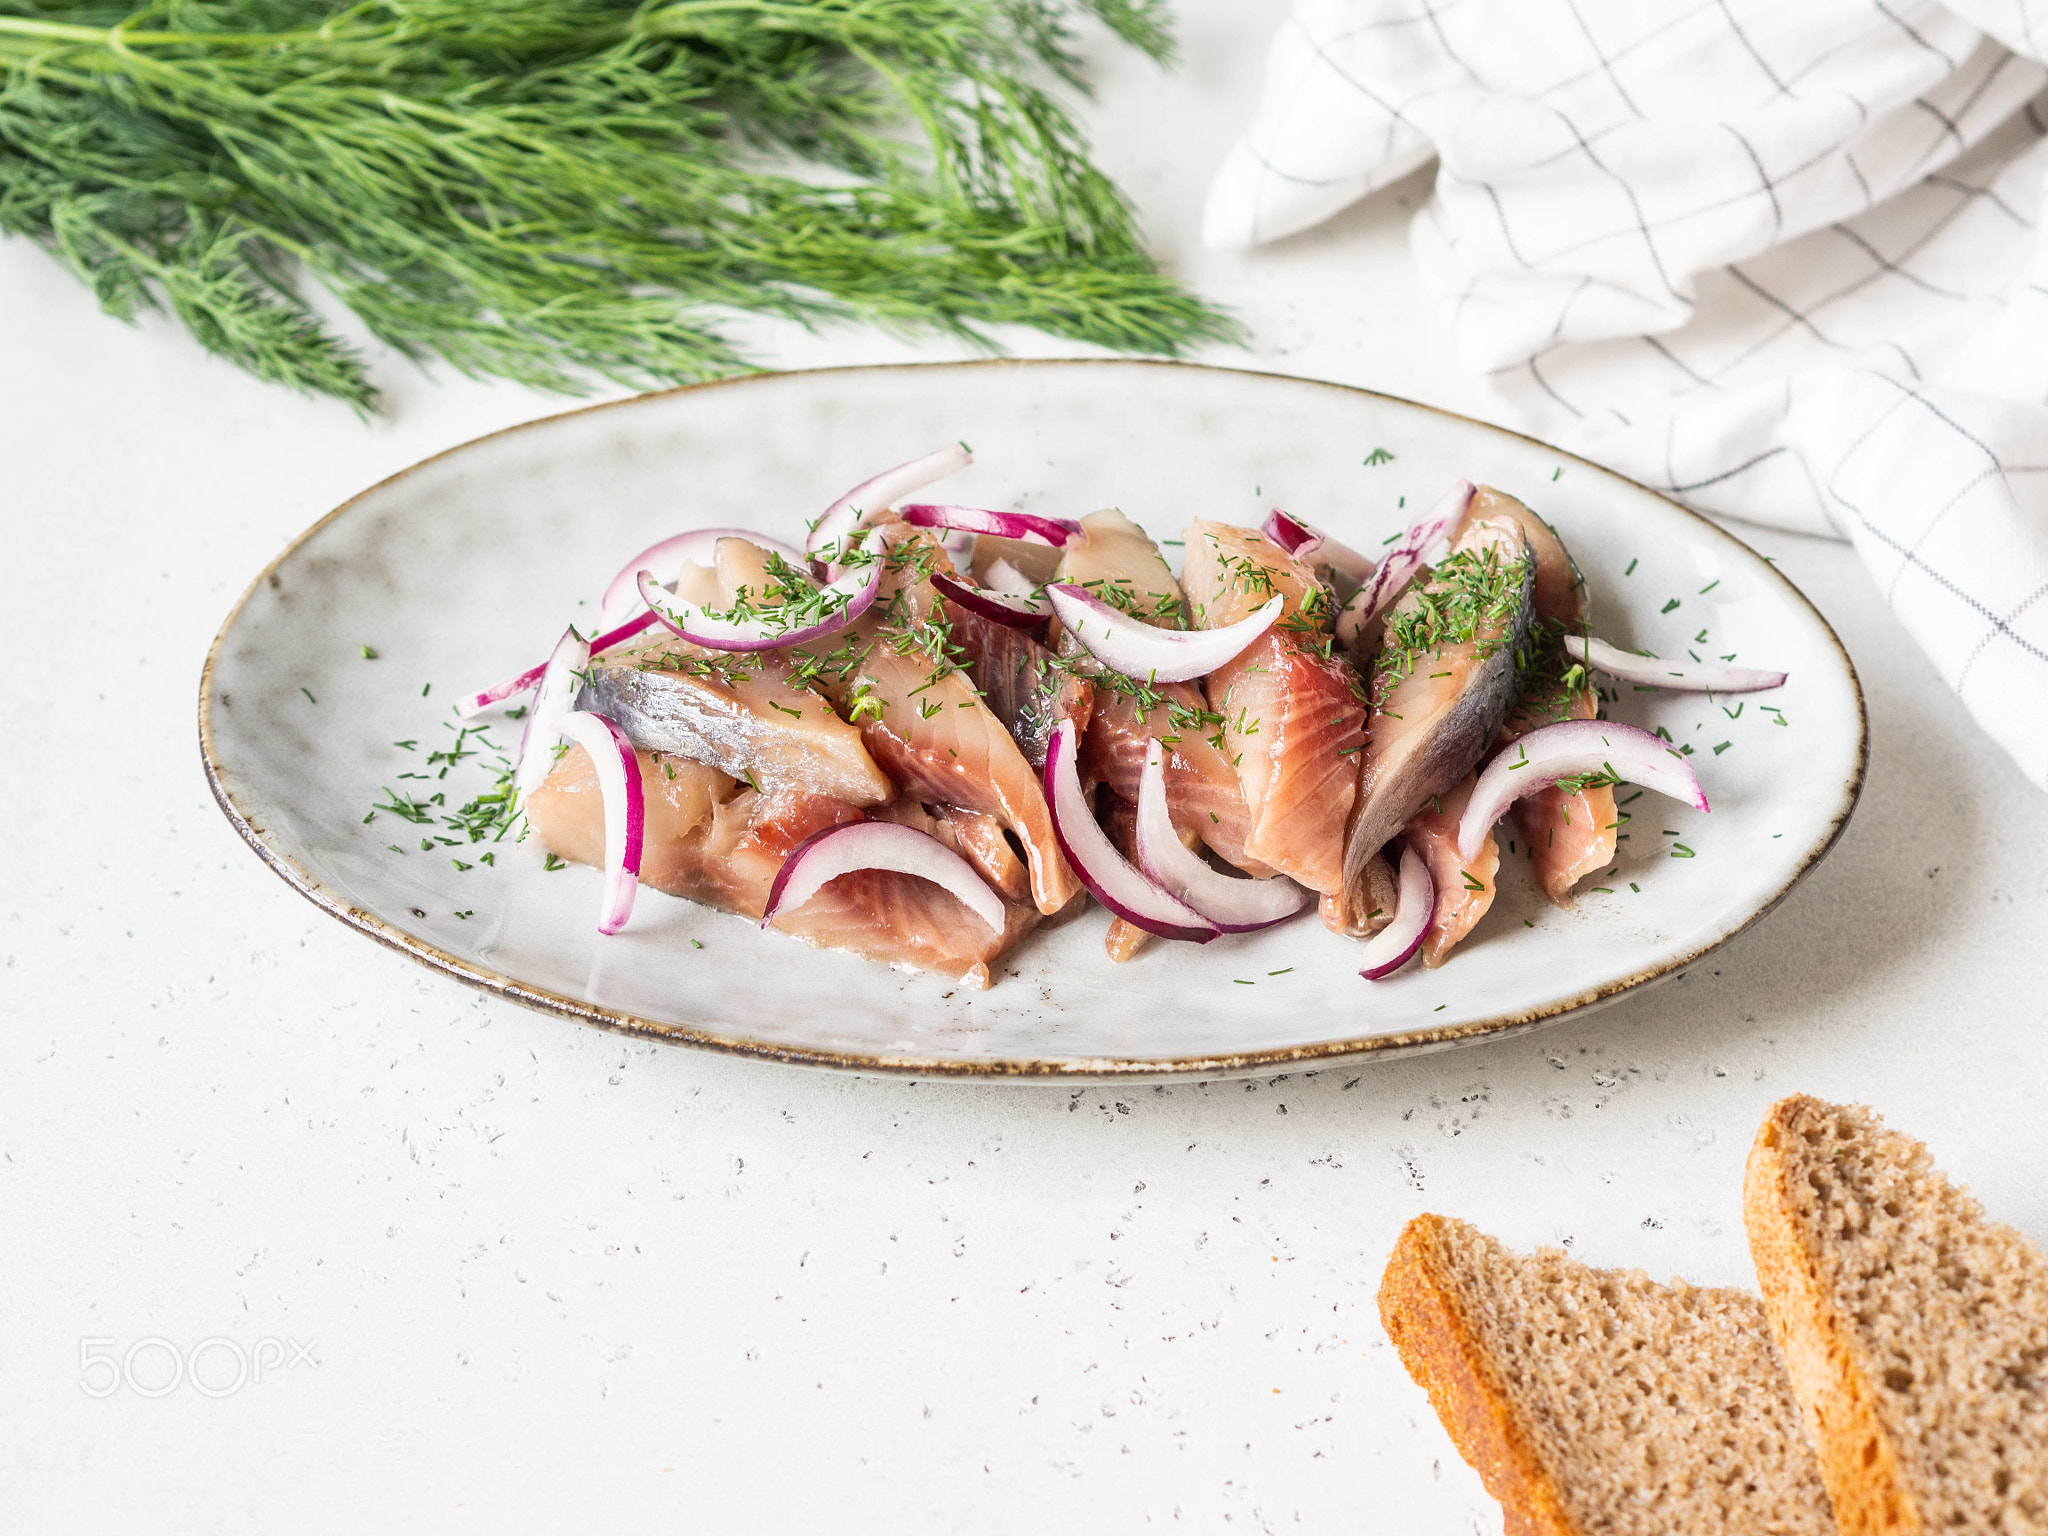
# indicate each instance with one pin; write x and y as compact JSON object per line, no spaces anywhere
{"x":1596,"y":1402}
{"x":897,"y":672}
{"x":1569,"y":832}
{"x":1443,"y":682}
{"x":1464,"y":891}
{"x":1116,"y":560}
{"x":1022,"y":683}
{"x":1203,"y":794}
{"x":976,"y":838}
{"x":1293,"y":720}
{"x":711,"y":840}
{"x":1915,"y":1328}
{"x":744,"y":714}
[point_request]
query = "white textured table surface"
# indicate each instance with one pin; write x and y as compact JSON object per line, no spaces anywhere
{"x":525,"y":1276}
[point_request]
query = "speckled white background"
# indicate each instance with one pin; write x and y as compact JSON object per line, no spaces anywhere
{"x":553,"y":1280}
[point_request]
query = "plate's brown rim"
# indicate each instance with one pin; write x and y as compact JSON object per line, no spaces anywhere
{"x":1027,"y":1068}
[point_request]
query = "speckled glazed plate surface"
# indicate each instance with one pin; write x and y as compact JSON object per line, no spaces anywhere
{"x":464,"y":568}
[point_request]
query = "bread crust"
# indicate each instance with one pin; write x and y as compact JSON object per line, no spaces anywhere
{"x":1418,"y":1308}
{"x":1859,"y":1462}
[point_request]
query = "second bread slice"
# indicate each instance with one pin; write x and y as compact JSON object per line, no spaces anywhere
{"x":1597,"y":1400}
{"x":1915,"y":1329}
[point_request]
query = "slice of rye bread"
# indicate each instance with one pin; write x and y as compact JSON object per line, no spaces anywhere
{"x":1915,"y":1330}
{"x":1597,"y":1401}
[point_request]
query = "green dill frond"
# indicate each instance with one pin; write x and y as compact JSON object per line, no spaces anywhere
{"x":550,"y":190}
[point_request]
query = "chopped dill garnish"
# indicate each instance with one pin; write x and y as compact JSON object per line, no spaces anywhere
{"x":1472,"y":598}
{"x":1378,"y":457}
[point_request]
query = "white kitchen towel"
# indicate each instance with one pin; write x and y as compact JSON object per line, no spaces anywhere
{"x":1781,"y":260}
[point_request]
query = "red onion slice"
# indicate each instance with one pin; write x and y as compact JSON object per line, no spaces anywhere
{"x":625,"y":810}
{"x":828,"y":534}
{"x":1001,"y":607}
{"x":886,"y":845}
{"x":559,"y":681}
{"x":1052,"y":531}
{"x":1114,"y":883}
{"x":1567,"y":750}
{"x":1400,"y":566}
{"x":1137,"y":649}
{"x":1679,"y":676}
{"x":1001,"y":576}
{"x":667,"y":559}
{"x":1414,"y":904}
{"x":1235,"y":906}
{"x":477,"y":703}
{"x":1310,"y":545}
{"x":852,"y":594}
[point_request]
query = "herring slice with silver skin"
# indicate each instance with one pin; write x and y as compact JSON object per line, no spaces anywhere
{"x":743,"y":715}
{"x":1441,"y":686}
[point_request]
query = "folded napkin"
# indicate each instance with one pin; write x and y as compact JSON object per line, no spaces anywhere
{"x":1779,"y":260}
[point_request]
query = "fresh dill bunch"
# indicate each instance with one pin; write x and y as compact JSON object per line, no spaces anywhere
{"x":548,"y":190}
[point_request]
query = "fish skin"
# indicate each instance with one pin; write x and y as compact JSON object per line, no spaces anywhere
{"x":744,"y":715}
{"x":1021,"y":681}
{"x":934,"y":736}
{"x":709,"y":840}
{"x":1203,"y":794}
{"x":1433,"y":833}
{"x":1380,"y":894}
{"x":1425,"y":733}
{"x":1568,"y":835}
{"x":1293,"y":720}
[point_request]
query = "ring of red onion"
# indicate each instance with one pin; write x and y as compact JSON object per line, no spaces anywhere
{"x":560,"y":679}
{"x":477,"y":703}
{"x":836,"y":851}
{"x":625,"y":810}
{"x":1679,"y":676}
{"x":1567,"y":750}
{"x":999,"y":607}
{"x":1398,"y":568}
{"x":1108,"y":875}
{"x":829,"y":533}
{"x":1414,"y":904}
{"x":1310,"y":545}
{"x":1032,"y":529}
{"x":1141,"y":650}
{"x":667,"y":559}
{"x":857,"y":588}
{"x":1233,"y":905}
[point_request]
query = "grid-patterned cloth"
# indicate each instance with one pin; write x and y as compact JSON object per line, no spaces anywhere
{"x":1781,"y":260}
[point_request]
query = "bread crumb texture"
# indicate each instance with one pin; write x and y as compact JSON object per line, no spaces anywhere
{"x":1931,"y":1319}
{"x":1597,"y":1400}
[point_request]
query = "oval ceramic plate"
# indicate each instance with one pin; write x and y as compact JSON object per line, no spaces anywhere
{"x":464,"y":569}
